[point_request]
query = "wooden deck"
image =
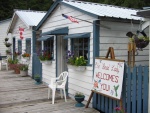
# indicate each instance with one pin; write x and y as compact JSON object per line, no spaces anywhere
{"x":21,"y":95}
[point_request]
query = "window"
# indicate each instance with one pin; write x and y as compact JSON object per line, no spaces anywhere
{"x":19,"y":46}
{"x":80,"y":47}
{"x":28,"y":46}
{"x":48,"y":45}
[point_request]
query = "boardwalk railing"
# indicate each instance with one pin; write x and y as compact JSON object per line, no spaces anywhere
{"x":134,"y":93}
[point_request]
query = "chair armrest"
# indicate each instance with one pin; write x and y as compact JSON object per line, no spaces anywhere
{"x":53,"y":80}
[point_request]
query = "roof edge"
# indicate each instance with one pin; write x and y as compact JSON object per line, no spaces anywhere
{"x":47,"y":14}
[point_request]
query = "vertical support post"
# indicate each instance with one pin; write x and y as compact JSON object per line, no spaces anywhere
{"x":33,"y":49}
{"x":149,"y":77}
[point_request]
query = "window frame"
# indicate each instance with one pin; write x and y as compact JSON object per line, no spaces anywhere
{"x":28,"y":39}
{"x":88,"y":50}
{"x":20,"y":46}
{"x":51,"y":43}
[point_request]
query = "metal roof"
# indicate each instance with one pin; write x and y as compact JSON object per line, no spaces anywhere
{"x":31,"y":18}
{"x":104,"y":10}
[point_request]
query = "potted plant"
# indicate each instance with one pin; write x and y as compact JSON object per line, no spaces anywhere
{"x":78,"y":62}
{"x":79,"y":97}
{"x":6,"y":39}
{"x":23,"y":69}
{"x":140,"y":41}
{"x":26,"y":56}
{"x":46,"y":58}
{"x":12,"y":63}
{"x":37,"y":78}
{"x":8,"y":44}
{"x":17,"y":55}
{"x":8,"y":52}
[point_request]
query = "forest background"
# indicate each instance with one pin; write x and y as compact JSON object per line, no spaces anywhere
{"x":8,"y":6}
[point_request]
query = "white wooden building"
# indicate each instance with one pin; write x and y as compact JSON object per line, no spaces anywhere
{"x":100,"y":26}
{"x":24,"y":21}
{"x":3,"y":34}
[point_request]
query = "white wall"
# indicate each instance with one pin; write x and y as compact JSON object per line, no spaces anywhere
{"x":3,"y":34}
{"x":116,"y":38}
{"x":81,"y":81}
{"x":26,"y":34}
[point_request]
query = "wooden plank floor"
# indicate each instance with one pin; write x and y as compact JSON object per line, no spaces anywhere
{"x":21,"y":95}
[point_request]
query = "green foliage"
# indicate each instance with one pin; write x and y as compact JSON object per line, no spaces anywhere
{"x":36,"y":76}
{"x":11,"y":61}
{"x":23,"y":67}
{"x":77,"y":61}
{"x":80,"y":61}
{"x":8,"y":6}
{"x":71,"y":60}
{"x":79,"y":94}
{"x":45,"y":56}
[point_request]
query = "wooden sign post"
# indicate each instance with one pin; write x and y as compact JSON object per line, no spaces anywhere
{"x":108,"y":77}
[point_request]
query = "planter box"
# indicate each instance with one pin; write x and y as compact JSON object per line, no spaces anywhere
{"x":71,"y":67}
{"x":46,"y":62}
{"x":23,"y":73}
{"x":26,"y":58}
{"x":78,"y":68}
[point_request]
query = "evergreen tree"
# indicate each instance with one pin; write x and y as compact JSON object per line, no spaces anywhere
{"x":8,"y":6}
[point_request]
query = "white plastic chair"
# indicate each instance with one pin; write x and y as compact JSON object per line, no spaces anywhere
{"x":4,"y":62}
{"x":60,"y":83}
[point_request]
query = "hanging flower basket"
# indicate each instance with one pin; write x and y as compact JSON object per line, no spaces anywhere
{"x":141,"y":42}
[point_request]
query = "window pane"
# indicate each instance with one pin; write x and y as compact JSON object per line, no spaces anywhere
{"x":80,"y":47}
{"x":19,"y":47}
{"x":48,"y":46}
{"x":28,"y":46}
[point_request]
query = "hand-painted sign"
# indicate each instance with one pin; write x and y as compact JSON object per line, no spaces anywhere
{"x":108,"y":77}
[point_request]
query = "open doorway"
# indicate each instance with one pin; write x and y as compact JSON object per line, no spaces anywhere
{"x":61,"y":49}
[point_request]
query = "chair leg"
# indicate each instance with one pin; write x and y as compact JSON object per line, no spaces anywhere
{"x":61,"y":93}
{"x":53,"y":95}
{"x":7,"y":67}
{"x":65,"y":95}
{"x":48,"y":93}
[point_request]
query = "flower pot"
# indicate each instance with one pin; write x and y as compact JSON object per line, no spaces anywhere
{"x":38,"y":80}
{"x":23,"y":73}
{"x":80,"y":68}
{"x":79,"y":101}
{"x":17,"y":71}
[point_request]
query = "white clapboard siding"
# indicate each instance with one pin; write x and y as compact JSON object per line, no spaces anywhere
{"x":116,"y":38}
{"x":26,"y":34}
{"x":3,"y":34}
{"x":56,"y":21}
